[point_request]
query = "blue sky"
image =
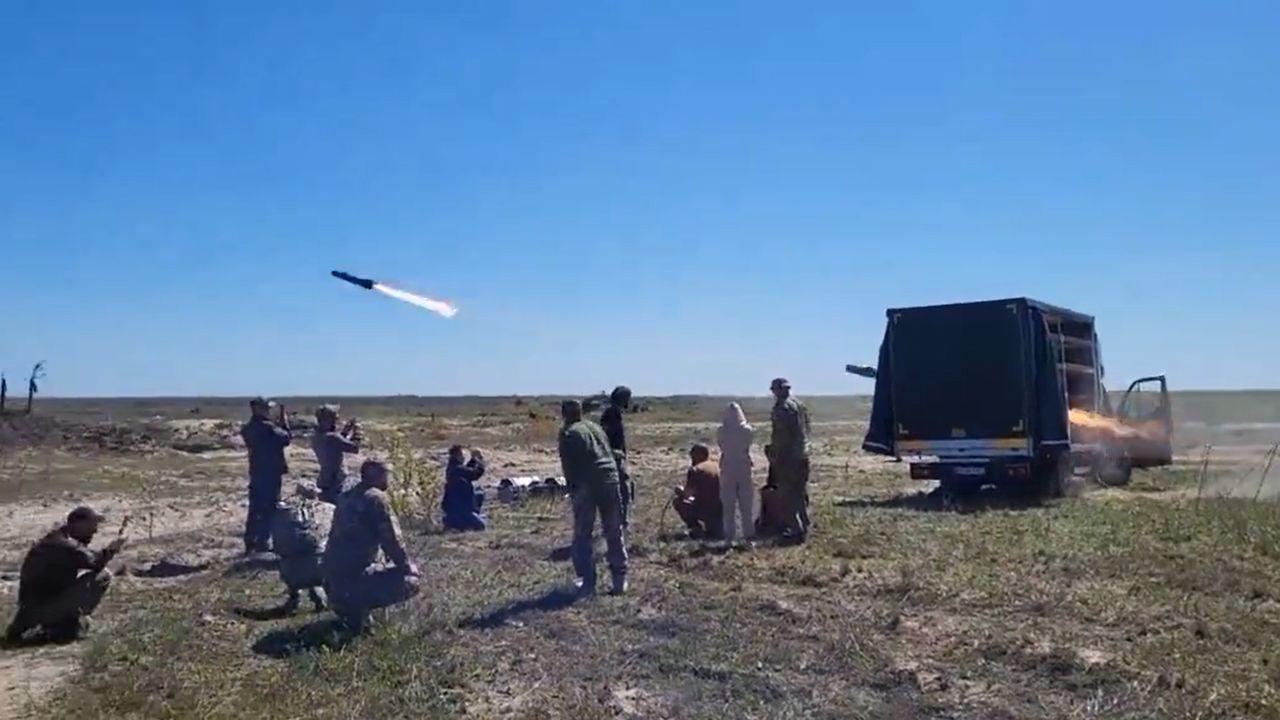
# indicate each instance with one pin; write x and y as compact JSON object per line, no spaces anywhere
{"x":681,"y":196}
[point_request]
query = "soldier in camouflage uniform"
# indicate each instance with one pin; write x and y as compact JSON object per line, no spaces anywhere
{"x":592,"y":476}
{"x":62,"y":580}
{"x":789,"y":460}
{"x":363,"y":524}
{"x":299,"y":531}
{"x":330,"y":445}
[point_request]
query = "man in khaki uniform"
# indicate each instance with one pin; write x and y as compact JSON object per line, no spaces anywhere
{"x":789,"y":459}
{"x":62,"y":580}
{"x":330,"y":445}
{"x":586,"y":458}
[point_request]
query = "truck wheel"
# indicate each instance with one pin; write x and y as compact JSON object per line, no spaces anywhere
{"x":1113,"y":470}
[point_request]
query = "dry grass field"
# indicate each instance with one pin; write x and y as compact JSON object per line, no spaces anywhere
{"x":1158,"y":600}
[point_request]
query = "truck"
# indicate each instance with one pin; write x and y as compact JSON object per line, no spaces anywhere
{"x":1009,"y":393}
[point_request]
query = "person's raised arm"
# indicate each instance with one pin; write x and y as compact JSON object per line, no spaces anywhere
{"x":281,"y":429}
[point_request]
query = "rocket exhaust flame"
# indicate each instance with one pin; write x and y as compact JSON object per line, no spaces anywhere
{"x":1093,"y":423}
{"x":439,"y":307}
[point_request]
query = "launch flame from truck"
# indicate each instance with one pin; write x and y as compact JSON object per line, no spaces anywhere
{"x":1109,"y":427}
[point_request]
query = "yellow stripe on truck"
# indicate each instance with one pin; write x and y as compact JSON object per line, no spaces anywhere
{"x":1000,"y":443}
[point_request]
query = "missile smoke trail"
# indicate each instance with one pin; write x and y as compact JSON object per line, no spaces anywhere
{"x":440,"y":307}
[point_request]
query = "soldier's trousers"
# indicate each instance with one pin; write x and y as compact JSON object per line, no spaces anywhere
{"x":264,"y":495}
{"x":379,"y":586}
{"x":626,"y":489}
{"x":792,"y":478}
{"x":65,"y":610}
{"x":603,"y":500}
{"x":299,"y":572}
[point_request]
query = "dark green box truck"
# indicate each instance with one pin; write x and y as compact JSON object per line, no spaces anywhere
{"x":1010,"y":393}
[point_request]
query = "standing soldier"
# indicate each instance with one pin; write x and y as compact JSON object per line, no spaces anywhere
{"x":789,"y":459}
{"x":265,"y":440}
{"x":330,"y":445}
{"x":62,"y":580}
{"x":591,"y":473}
{"x":363,"y":524}
{"x":611,"y":422}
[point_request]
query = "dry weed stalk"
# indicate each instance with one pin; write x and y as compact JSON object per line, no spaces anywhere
{"x":416,"y":487}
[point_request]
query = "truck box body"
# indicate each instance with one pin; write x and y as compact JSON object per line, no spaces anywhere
{"x":982,"y":382}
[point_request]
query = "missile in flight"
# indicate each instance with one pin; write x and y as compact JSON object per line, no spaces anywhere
{"x":439,"y":307}
{"x":362,"y":282}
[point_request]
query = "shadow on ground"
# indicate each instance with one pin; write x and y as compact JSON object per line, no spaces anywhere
{"x":252,"y":566}
{"x":556,"y":599}
{"x":328,"y":634}
{"x":279,"y":612}
{"x":939,"y":501}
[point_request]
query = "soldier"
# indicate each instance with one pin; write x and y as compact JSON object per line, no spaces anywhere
{"x":330,"y":445}
{"x":62,"y":580}
{"x":698,"y":502}
{"x":789,"y":459}
{"x":591,"y":473}
{"x":299,"y":532}
{"x":363,"y":524}
{"x":611,"y":422}
{"x":265,"y":440}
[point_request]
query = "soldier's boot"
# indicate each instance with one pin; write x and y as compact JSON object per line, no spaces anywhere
{"x":619,"y":585}
{"x":65,"y":631}
{"x":17,"y":628}
{"x":291,"y":605}
{"x":318,"y":600}
{"x":585,"y":586}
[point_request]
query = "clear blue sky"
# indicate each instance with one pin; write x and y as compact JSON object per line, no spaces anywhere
{"x":682,"y":196}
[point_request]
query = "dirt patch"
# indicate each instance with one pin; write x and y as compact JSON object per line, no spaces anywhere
{"x":27,"y":677}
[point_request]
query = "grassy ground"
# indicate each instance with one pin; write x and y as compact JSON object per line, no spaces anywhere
{"x":1102,"y":606}
{"x":1141,"y":602}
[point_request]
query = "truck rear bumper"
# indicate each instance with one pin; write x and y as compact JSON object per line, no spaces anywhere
{"x":997,"y":470}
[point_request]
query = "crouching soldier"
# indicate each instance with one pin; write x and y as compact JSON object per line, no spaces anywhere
{"x":299,"y":532}
{"x":62,"y":580}
{"x":363,"y":524}
{"x":698,"y":502}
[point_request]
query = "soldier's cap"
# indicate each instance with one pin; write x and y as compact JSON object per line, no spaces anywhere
{"x":700,"y":448}
{"x":262,"y":402}
{"x":84,"y":513}
{"x":567,"y":405}
{"x":327,"y":410}
{"x":780,"y":383}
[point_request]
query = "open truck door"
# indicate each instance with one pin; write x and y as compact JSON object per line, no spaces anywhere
{"x":1147,"y":411}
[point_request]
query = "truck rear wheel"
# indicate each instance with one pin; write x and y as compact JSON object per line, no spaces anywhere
{"x":1112,"y":469}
